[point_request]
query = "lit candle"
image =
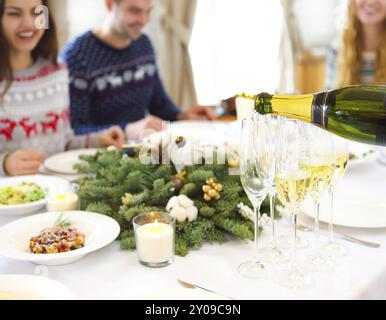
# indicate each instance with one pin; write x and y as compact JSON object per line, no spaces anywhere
{"x":155,"y":240}
{"x":63,"y":202}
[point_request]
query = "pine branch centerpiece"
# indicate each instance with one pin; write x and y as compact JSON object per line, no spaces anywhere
{"x":122,"y":187}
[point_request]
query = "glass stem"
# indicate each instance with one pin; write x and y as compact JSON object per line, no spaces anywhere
{"x":316,"y":228}
{"x":331,"y":225}
{"x":257,"y":218}
{"x":294,"y":234}
{"x":272,"y":209}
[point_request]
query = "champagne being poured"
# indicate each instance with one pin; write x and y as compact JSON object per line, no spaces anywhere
{"x":356,"y":112}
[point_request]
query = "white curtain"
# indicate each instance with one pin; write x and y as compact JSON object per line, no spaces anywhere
{"x":290,"y":47}
{"x":176,"y":19}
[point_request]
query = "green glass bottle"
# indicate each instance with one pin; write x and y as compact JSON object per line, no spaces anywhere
{"x":356,"y":112}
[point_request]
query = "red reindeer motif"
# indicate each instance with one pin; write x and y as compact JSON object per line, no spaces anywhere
{"x":52,"y":124}
{"x":28,"y":128}
{"x":7,"y":131}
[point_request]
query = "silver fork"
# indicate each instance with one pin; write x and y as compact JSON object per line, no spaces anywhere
{"x":346,"y":237}
{"x":188,"y":285}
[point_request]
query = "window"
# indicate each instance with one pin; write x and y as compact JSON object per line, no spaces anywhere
{"x":234,"y":47}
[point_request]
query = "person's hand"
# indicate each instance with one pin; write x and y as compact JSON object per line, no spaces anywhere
{"x":23,"y":162}
{"x":138,"y":130}
{"x":112,"y":137}
{"x":198,"y":113}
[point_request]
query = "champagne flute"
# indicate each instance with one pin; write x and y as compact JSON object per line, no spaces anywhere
{"x":322,"y":162}
{"x":254,"y":175}
{"x":273,"y":253}
{"x":293,"y":181}
{"x":342,"y":155}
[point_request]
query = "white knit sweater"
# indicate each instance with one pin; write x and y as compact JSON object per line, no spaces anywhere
{"x":34,"y":113}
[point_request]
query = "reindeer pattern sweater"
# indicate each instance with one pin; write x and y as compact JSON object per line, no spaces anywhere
{"x":35,"y":113}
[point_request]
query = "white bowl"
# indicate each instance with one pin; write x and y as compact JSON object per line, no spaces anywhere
{"x":52,"y":185}
{"x":99,"y":231}
{"x":25,"y":287}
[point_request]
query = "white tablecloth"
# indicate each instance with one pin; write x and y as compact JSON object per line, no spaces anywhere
{"x":114,"y":274}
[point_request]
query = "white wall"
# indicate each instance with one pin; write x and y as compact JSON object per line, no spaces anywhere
{"x":317,"y":21}
{"x":84,"y":15}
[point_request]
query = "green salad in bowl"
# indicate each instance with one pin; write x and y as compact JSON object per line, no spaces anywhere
{"x":25,"y":192}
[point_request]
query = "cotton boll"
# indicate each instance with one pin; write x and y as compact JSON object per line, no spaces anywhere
{"x":192,"y":213}
{"x":185,"y":202}
{"x":179,"y":213}
{"x":172,"y":214}
{"x":173,"y":202}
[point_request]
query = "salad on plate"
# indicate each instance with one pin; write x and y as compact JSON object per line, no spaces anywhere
{"x":22,"y":193}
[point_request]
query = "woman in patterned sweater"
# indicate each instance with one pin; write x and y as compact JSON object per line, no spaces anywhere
{"x":360,"y":58}
{"x":34,"y":99}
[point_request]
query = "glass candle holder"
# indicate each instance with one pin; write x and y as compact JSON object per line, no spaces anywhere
{"x":66,"y":201}
{"x":155,"y":239}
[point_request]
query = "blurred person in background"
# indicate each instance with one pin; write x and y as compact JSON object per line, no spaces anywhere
{"x":360,"y":57}
{"x":114,"y":76}
{"x":34,"y":100}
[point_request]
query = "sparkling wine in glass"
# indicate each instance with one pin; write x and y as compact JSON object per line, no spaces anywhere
{"x":321,"y":166}
{"x":342,"y":155}
{"x":293,"y":181}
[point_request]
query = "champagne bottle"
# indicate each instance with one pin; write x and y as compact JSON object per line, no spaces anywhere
{"x":356,"y":112}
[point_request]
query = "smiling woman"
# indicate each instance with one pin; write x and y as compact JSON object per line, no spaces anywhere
{"x":359,"y":57}
{"x":34,"y":101}
{"x":21,"y":41}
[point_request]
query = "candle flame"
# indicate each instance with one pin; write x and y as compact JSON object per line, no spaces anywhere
{"x":157,"y":227}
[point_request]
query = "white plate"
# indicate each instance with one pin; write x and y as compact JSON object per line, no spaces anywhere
{"x":363,"y":153}
{"x":64,"y":162}
{"x":52,"y":185}
{"x":99,"y":231}
{"x":355,"y":210}
{"x":25,"y":287}
{"x":214,"y":133}
{"x":382,"y":156}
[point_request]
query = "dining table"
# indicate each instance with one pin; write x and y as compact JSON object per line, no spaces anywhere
{"x":111,"y":273}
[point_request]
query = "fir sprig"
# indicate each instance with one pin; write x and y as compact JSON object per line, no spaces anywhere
{"x":62,"y":222}
{"x":114,"y":175}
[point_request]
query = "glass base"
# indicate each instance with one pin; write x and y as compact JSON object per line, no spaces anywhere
{"x":287,"y":242}
{"x":317,"y":263}
{"x":295,"y":278}
{"x":274,"y":255}
{"x":157,"y":264}
{"x":333,"y":249}
{"x":253,"y":270}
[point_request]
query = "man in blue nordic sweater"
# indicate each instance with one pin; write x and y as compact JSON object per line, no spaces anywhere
{"x":114,"y":77}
